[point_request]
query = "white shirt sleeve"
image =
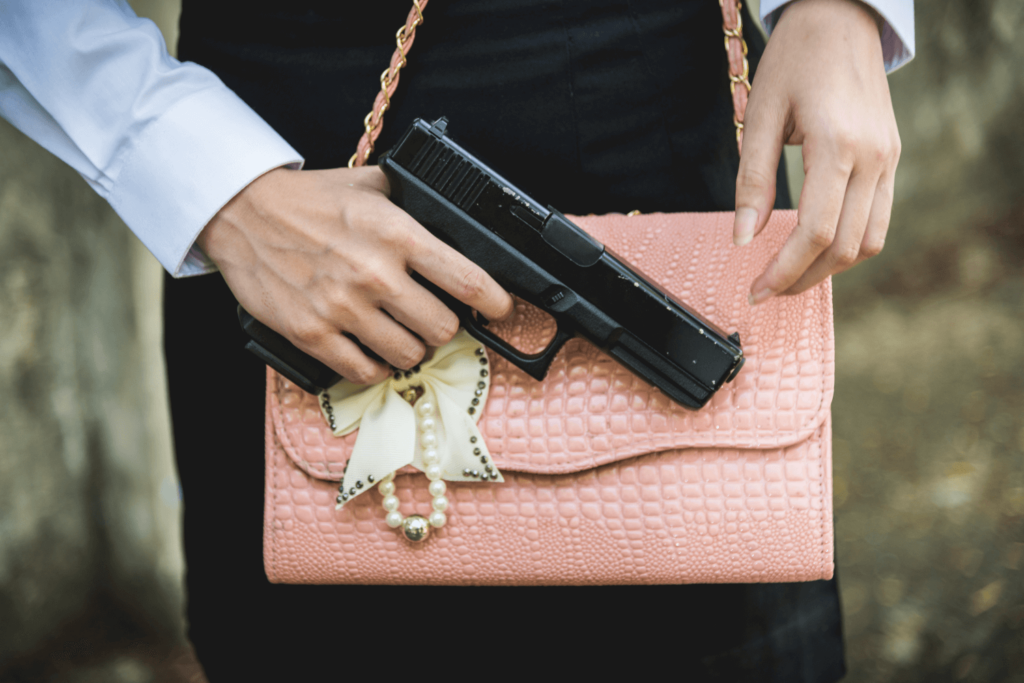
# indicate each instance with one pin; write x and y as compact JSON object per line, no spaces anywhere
{"x":897,"y":34}
{"x":165,"y":142}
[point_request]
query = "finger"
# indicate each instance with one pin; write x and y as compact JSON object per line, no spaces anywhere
{"x":763,"y":136}
{"x":821,"y":202}
{"x":344,"y":356}
{"x":878,"y":221}
{"x":846,"y":247}
{"x":380,"y":333}
{"x":463,"y":279}
{"x":422,"y":312}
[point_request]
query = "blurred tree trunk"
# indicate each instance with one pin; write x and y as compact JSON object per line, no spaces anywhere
{"x":89,"y":505}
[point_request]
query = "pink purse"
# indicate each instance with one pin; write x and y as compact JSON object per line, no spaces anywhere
{"x":605,"y":480}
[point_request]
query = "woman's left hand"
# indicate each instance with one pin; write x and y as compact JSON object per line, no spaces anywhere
{"x":821,"y":83}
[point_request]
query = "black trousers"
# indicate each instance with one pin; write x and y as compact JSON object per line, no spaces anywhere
{"x":593,"y":106}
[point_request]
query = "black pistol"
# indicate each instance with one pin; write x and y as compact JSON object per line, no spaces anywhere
{"x":540,"y":256}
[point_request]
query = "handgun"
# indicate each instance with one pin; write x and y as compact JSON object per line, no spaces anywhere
{"x":540,"y":256}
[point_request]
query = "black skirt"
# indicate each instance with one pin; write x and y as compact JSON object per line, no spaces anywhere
{"x":592,"y":106}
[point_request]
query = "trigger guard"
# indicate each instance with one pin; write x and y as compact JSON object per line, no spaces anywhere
{"x":535,"y":364}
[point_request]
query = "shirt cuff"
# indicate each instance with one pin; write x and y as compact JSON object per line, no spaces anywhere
{"x":186,"y":165}
{"x":898,"y":40}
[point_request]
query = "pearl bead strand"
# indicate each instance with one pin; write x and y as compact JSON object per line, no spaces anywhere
{"x":415,"y":526}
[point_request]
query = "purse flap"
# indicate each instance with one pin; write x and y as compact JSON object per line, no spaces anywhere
{"x":590,"y":410}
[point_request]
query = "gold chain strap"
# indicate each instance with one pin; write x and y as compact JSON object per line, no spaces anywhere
{"x":739,"y":67}
{"x":388,"y":83}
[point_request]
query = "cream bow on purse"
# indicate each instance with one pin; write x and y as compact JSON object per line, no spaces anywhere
{"x":595,"y":477}
{"x":424,"y":418}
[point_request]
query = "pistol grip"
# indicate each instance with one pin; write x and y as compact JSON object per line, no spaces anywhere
{"x":303,"y":370}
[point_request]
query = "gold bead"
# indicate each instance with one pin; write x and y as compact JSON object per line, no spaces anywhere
{"x":416,"y":528}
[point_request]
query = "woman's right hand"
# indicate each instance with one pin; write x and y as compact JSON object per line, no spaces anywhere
{"x":313,"y":254}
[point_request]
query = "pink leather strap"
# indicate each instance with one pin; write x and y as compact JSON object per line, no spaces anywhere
{"x":735,"y":47}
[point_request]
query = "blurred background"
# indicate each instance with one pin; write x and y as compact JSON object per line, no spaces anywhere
{"x":929,"y":405}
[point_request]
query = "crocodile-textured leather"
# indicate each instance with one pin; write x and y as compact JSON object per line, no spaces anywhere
{"x":608,"y":481}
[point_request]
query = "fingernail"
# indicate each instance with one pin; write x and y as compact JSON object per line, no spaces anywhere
{"x":755,"y":299}
{"x":743,"y":230}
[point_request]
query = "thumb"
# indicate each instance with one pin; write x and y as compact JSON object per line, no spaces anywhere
{"x":763,"y":132}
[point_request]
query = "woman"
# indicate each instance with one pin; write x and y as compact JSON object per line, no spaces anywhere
{"x":593,"y":107}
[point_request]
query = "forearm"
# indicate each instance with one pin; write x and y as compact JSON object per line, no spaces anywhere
{"x":165,"y":142}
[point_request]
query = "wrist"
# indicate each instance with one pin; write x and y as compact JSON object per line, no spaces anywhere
{"x":846,"y":10}
{"x":219,"y":238}
{"x":820,"y":36}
